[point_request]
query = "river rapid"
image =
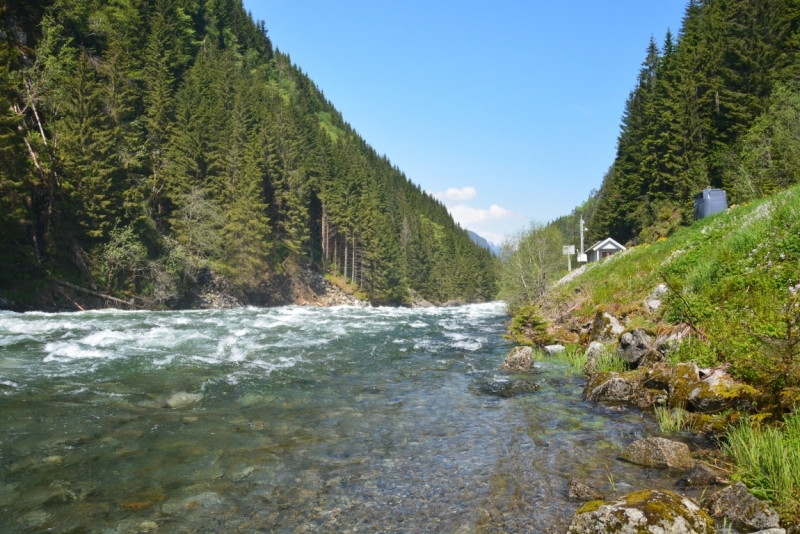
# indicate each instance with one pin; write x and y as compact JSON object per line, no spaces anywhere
{"x":293,"y":419}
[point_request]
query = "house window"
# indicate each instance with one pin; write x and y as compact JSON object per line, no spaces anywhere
{"x":607,"y":253}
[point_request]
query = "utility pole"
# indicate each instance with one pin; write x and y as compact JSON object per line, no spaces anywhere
{"x":582,"y":257}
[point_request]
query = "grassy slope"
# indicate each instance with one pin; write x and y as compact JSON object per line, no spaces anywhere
{"x":730,"y":276}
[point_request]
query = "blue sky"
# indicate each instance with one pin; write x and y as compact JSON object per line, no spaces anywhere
{"x":507,"y":111}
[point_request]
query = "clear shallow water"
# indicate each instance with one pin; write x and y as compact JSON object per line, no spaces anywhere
{"x":292,"y":419}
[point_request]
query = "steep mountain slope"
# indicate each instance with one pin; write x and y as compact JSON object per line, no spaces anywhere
{"x":147,"y":143}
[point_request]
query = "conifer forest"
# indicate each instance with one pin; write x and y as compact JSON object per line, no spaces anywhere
{"x":715,"y":105}
{"x":146,"y":142}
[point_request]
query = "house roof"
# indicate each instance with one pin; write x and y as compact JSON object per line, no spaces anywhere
{"x":607,"y":243}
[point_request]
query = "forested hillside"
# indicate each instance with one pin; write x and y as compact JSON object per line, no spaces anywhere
{"x":147,"y":141}
{"x":716,"y":105}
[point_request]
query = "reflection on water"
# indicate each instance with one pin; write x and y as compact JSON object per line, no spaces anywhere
{"x":289,"y":420}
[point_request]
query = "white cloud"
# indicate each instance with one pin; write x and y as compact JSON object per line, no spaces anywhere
{"x":466,"y":215}
{"x":454,"y":193}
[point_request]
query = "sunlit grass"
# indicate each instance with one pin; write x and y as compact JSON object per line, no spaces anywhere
{"x":609,"y":361}
{"x":671,"y":420}
{"x":767,"y":460}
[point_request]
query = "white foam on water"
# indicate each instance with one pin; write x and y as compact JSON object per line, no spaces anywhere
{"x":61,"y":351}
{"x":471,"y":346}
{"x":9,"y":383}
{"x":418,"y":324}
{"x":455,"y":336}
{"x":105,"y":338}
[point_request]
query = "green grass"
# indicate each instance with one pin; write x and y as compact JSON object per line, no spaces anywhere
{"x":609,"y":361}
{"x":729,"y":277}
{"x":767,"y":460}
{"x":573,"y":357}
{"x":671,"y":420}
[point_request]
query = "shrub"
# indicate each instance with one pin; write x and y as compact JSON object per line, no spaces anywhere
{"x":529,"y":327}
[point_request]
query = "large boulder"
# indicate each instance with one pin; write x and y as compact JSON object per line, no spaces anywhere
{"x":678,"y":380}
{"x":614,"y":387}
{"x":604,"y":328}
{"x":716,"y":391}
{"x":519,"y":360}
{"x":741,"y":507}
{"x":635,"y":345}
{"x":648,"y":511}
{"x":659,"y":452}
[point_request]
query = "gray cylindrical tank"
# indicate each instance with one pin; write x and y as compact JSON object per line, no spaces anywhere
{"x":709,"y":202}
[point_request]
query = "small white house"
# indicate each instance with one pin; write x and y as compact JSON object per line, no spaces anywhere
{"x":603,"y":249}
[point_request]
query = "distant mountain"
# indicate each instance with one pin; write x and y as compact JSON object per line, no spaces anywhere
{"x":483,"y":242}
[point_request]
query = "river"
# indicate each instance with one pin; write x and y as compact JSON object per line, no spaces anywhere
{"x":293,"y":419}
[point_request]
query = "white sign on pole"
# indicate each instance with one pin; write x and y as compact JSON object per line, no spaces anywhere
{"x":568,"y":249}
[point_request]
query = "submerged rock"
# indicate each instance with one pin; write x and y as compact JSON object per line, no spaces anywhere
{"x":508,"y":389}
{"x":659,"y":452}
{"x":649,"y":511}
{"x":520,"y":359}
{"x":634,"y":345}
{"x":578,"y":491}
{"x":701,"y":474}
{"x":183,"y":399}
{"x":208,"y":499}
{"x":738,"y":505}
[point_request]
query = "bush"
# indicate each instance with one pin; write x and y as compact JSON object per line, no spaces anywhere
{"x":529,"y":327}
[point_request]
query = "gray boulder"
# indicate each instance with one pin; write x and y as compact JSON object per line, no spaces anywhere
{"x":614,"y":387}
{"x":716,"y":391}
{"x":606,"y":328}
{"x":634,"y":345}
{"x":659,"y":452}
{"x":741,"y":507}
{"x":650,"y":511}
{"x":654,"y":302}
{"x":552,"y":350}
{"x":578,"y":491}
{"x":519,"y":360}
{"x":771,"y":531}
{"x":593,"y":351}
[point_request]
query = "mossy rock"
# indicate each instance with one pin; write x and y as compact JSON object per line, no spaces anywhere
{"x":614,"y":387}
{"x":684,"y":380}
{"x":719,"y":391}
{"x":646,"y":511}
